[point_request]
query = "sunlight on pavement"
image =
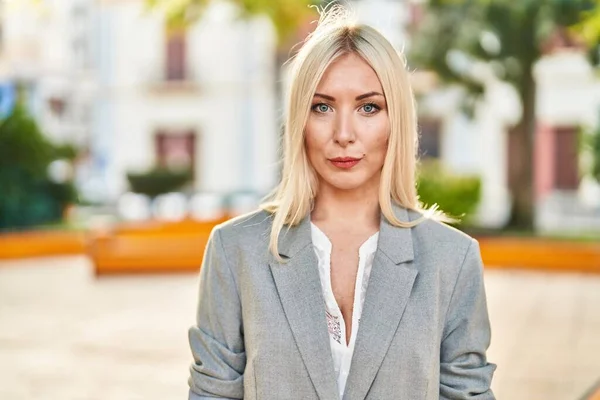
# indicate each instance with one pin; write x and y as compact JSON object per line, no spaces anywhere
{"x":69,"y":335}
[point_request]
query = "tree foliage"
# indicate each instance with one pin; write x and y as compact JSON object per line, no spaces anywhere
{"x":509,"y":35}
{"x":27,"y":196}
{"x":286,"y":15}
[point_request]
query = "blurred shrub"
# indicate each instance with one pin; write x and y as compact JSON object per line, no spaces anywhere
{"x":159,"y":181}
{"x":27,"y":196}
{"x":456,"y":195}
{"x":26,"y":201}
{"x":22,"y":145}
{"x":64,"y":152}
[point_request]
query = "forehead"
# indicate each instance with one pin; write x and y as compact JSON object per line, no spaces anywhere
{"x":349,"y":73}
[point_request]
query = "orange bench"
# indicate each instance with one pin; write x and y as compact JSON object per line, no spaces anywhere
{"x":540,"y":254}
{"x":156,"y":246}
{"x":41,"y":244}
{"x":150,"y":247}
{"x":179,"y":247}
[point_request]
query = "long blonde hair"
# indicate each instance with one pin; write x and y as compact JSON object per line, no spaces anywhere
{"x":337,"y":35}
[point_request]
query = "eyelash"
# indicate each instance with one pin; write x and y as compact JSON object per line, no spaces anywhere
{"x":375,"y":106}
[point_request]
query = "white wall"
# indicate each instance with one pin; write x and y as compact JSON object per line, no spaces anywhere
{"x":568,"y":90}
{"x":388,"y":16}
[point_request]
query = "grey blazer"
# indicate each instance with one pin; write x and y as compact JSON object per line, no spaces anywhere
{"x":261,"y":329}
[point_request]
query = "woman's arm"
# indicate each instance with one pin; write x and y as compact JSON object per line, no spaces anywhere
{"x":217,"y":340}
{"x":464,"y":370}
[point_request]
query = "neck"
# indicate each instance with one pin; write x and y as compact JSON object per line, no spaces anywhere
{"x":359,"y":207}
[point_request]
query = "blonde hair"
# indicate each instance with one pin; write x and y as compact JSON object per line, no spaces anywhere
{"x":337,"y":35}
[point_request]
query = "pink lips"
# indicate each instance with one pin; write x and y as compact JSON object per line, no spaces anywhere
{"x":345,"y":162}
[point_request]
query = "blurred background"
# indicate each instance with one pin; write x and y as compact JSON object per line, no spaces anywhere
{"x":129,"y":128}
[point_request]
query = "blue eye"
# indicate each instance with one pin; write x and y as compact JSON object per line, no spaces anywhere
{"x":371,"y":108}
{"x":321,"y":108}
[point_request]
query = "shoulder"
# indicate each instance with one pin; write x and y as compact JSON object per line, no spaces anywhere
{"x":437,"y":231}
{"x":251,"y":228}
{"x":432,"y":238}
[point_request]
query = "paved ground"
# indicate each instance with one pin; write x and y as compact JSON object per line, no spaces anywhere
{"x":65,"y":335}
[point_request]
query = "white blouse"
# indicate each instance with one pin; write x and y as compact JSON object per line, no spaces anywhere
{"x":342,"y":353}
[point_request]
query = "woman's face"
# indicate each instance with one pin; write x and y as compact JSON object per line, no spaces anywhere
{"x":347,"y":131}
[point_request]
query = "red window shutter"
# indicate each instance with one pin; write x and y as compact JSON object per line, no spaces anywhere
{"x":566,"y":159}
{"x":176,"y":56}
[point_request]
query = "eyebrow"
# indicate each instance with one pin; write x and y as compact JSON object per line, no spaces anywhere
{"x":358,"y":98}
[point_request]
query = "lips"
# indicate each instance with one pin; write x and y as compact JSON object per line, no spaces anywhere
{"x":344,"y":162}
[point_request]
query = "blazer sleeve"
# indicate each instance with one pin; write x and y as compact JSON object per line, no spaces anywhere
{"x":465,"y":372}
{"x":217,"y":341}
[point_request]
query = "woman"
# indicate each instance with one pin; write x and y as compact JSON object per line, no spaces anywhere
{"x":342,"y":286}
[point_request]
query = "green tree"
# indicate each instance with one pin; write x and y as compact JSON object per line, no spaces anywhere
{"x":27,"y":196}
{"x":510,"y":36}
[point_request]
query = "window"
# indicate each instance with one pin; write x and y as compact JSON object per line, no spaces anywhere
{"x":566,"y":171}
{"x":176,"y":149}
{"x":57,"y":106}
{"x":176,"y":56}
{"x":429,"y":140}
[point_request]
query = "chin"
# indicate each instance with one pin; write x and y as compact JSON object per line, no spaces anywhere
{"x":347,"y":183}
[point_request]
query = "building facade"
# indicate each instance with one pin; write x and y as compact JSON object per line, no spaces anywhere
{"x":109,"y":77}
{"x":202,"y":97}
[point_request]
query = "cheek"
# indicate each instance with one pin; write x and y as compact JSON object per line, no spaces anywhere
{"x":379,"y":133}
{"x":313,"y":148}
{"x":315,"y":136}
{"x":310,"y":142}
{"x":382,"y":140}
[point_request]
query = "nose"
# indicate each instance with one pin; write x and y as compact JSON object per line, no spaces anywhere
{"x":344,"y":129}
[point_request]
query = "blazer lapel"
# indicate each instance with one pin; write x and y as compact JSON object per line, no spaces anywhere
{"x":299,"y":288}
{"x":389,"y":289}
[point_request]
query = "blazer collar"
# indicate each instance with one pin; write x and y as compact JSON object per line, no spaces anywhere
{"x":388,"y":292}
{"x":299,"y":287}
{"x":395,"y":243}
{"x":294,"y":238}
